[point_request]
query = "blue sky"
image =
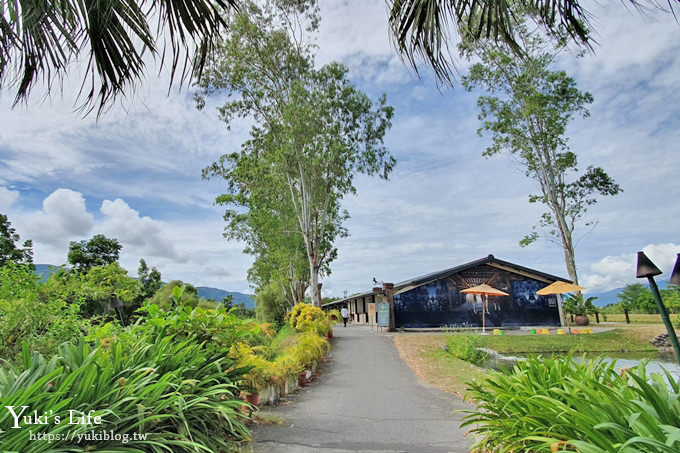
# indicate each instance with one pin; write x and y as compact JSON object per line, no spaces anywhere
{"x":135,"y":173}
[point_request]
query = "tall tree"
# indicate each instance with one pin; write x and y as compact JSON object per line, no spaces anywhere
{"x":10,"y":251}
{"x":149,"y":280}
{"x":98,"y":251}
{"x":314,"y":130}
{"x":39,"y":40}
{"x":422,"y":29}
{"x":527,"y":110}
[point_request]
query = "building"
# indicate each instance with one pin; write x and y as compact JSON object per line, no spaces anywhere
{"x":435,"y":300}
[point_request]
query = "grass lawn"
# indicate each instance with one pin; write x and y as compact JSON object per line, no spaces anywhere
{"x":423,"y":353}
{"x":618,"y":340}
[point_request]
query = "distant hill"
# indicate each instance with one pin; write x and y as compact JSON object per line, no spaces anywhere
{"x":217,"y":294}
{"x":45,"y":270}
{"x":612,"y":296}
{"x":206,"y":292}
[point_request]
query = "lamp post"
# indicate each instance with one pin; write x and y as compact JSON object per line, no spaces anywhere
{"x":647,"y":269}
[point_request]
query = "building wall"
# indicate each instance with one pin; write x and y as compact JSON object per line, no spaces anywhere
{"x":440,"y":303}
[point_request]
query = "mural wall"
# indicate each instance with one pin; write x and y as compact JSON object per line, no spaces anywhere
{"x":440,"y":303}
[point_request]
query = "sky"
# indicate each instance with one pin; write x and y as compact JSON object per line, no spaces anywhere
{"x":135,"y":174}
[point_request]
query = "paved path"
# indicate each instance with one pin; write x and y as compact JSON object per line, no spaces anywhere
{"x":366,"y":400}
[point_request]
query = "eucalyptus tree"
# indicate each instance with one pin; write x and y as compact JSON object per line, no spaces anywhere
{"x":313,"y":130}
{"x":527,"y":109}
{"x":10,"y":251}
{"x":427,"y":29}
{"x":44,"y":40}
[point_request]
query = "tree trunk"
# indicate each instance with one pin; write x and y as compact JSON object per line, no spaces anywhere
{"x":314,"y":280}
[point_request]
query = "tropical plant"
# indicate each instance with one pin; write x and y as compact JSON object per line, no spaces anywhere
{"x":421,"y":28}
{"x":42,"y":316}
{"x":178,"y":395}
{"x":557,"y":404}
{"x":637,"y":297}
{"x":10,"y":251}
{"x":40,"y":41}
{"x":98,"y":251}
{"x":578,"y":305}
{"x":466,"y":347}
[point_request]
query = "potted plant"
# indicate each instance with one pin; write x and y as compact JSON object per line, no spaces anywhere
{"x":580,"y":307}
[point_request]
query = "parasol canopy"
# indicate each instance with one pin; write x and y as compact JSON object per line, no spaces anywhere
{"x":559,"y":288}
{"x":484,"y":289}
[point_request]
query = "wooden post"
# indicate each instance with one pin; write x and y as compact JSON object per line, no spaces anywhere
{"x":625,"y":312}
{"x":389,"y":295}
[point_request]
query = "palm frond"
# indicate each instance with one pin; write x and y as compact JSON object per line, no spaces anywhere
{"x":421,"y":29}
{"x":40,"y":39}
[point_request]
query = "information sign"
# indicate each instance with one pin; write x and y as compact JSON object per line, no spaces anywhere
{"x":383,"y":315}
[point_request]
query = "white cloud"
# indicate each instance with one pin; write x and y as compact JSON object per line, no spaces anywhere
{"x":618,"y":271}
{"x":7,"y":198}
{"x":63,"y":217}
{"x":145,"y":235}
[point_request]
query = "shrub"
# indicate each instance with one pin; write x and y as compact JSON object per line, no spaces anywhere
{"x":465,"y":347}
{"x":304,"y":316}
{"x":42,"y":315}
{"x":588,"y":406}
{"x":178,"y":393}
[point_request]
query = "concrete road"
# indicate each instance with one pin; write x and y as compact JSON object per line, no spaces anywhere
{"x":366,"y":400}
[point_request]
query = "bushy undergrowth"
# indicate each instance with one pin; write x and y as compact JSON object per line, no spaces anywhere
{"x":465,"y":347}
{"x":558,"y":404}
{"x":180,"y":394}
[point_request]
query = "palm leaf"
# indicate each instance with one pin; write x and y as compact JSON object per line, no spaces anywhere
{"x":39,"y":40}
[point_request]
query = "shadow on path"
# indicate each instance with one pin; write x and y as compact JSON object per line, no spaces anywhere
{"x":368,"y":400}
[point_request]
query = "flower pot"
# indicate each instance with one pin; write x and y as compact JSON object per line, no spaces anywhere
{"x":302,"y":379}
{"x":581,"y":320}
{"x":253,"y":398}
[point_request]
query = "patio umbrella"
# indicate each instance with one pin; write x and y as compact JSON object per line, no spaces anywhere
{"x":559,"y":288}
{"x":486,"y":291}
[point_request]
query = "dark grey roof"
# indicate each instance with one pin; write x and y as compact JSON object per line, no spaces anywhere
{"x":423,"y":279}
{"x":418,"y":281}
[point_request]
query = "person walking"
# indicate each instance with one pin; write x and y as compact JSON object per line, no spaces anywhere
{"x":345,"y":315}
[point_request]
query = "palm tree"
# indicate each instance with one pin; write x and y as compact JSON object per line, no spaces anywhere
{"x":39,"y":40}
{"x":421,"y":28}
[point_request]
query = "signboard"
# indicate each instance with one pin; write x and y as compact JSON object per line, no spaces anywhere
{"x":383,"y":315}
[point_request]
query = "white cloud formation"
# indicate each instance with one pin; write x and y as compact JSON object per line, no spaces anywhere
{"x":7,"y":198}
{"x":63,"y":217}
{"x":145,"y":235}
{"x":618,"y":271}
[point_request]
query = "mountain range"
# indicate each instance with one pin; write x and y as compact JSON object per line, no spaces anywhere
{"x":612,"y":296}
{"x":205,"y":292}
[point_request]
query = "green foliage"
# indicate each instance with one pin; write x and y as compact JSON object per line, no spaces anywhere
{"x":113,"y":41}
{"x":98,"y":251}
{"x":149,"y":280}
{"x":41,"y":316}
{"x":104,"y":283}
{"x":10,"y":252}
{"x":578,"y":305}
{"x":587,"y":406}
{"x":466,"y":346}
{"x":314,"y":132}
{"x":334,"y":315}
{"x":271,"y":304}
{"x":175,"y":293}
{"x":182,"y":395}
{"x":637,"y":297}
{"x":527,"y":110}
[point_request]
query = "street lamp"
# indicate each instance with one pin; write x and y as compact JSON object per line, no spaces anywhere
{"x":645,"y":268}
